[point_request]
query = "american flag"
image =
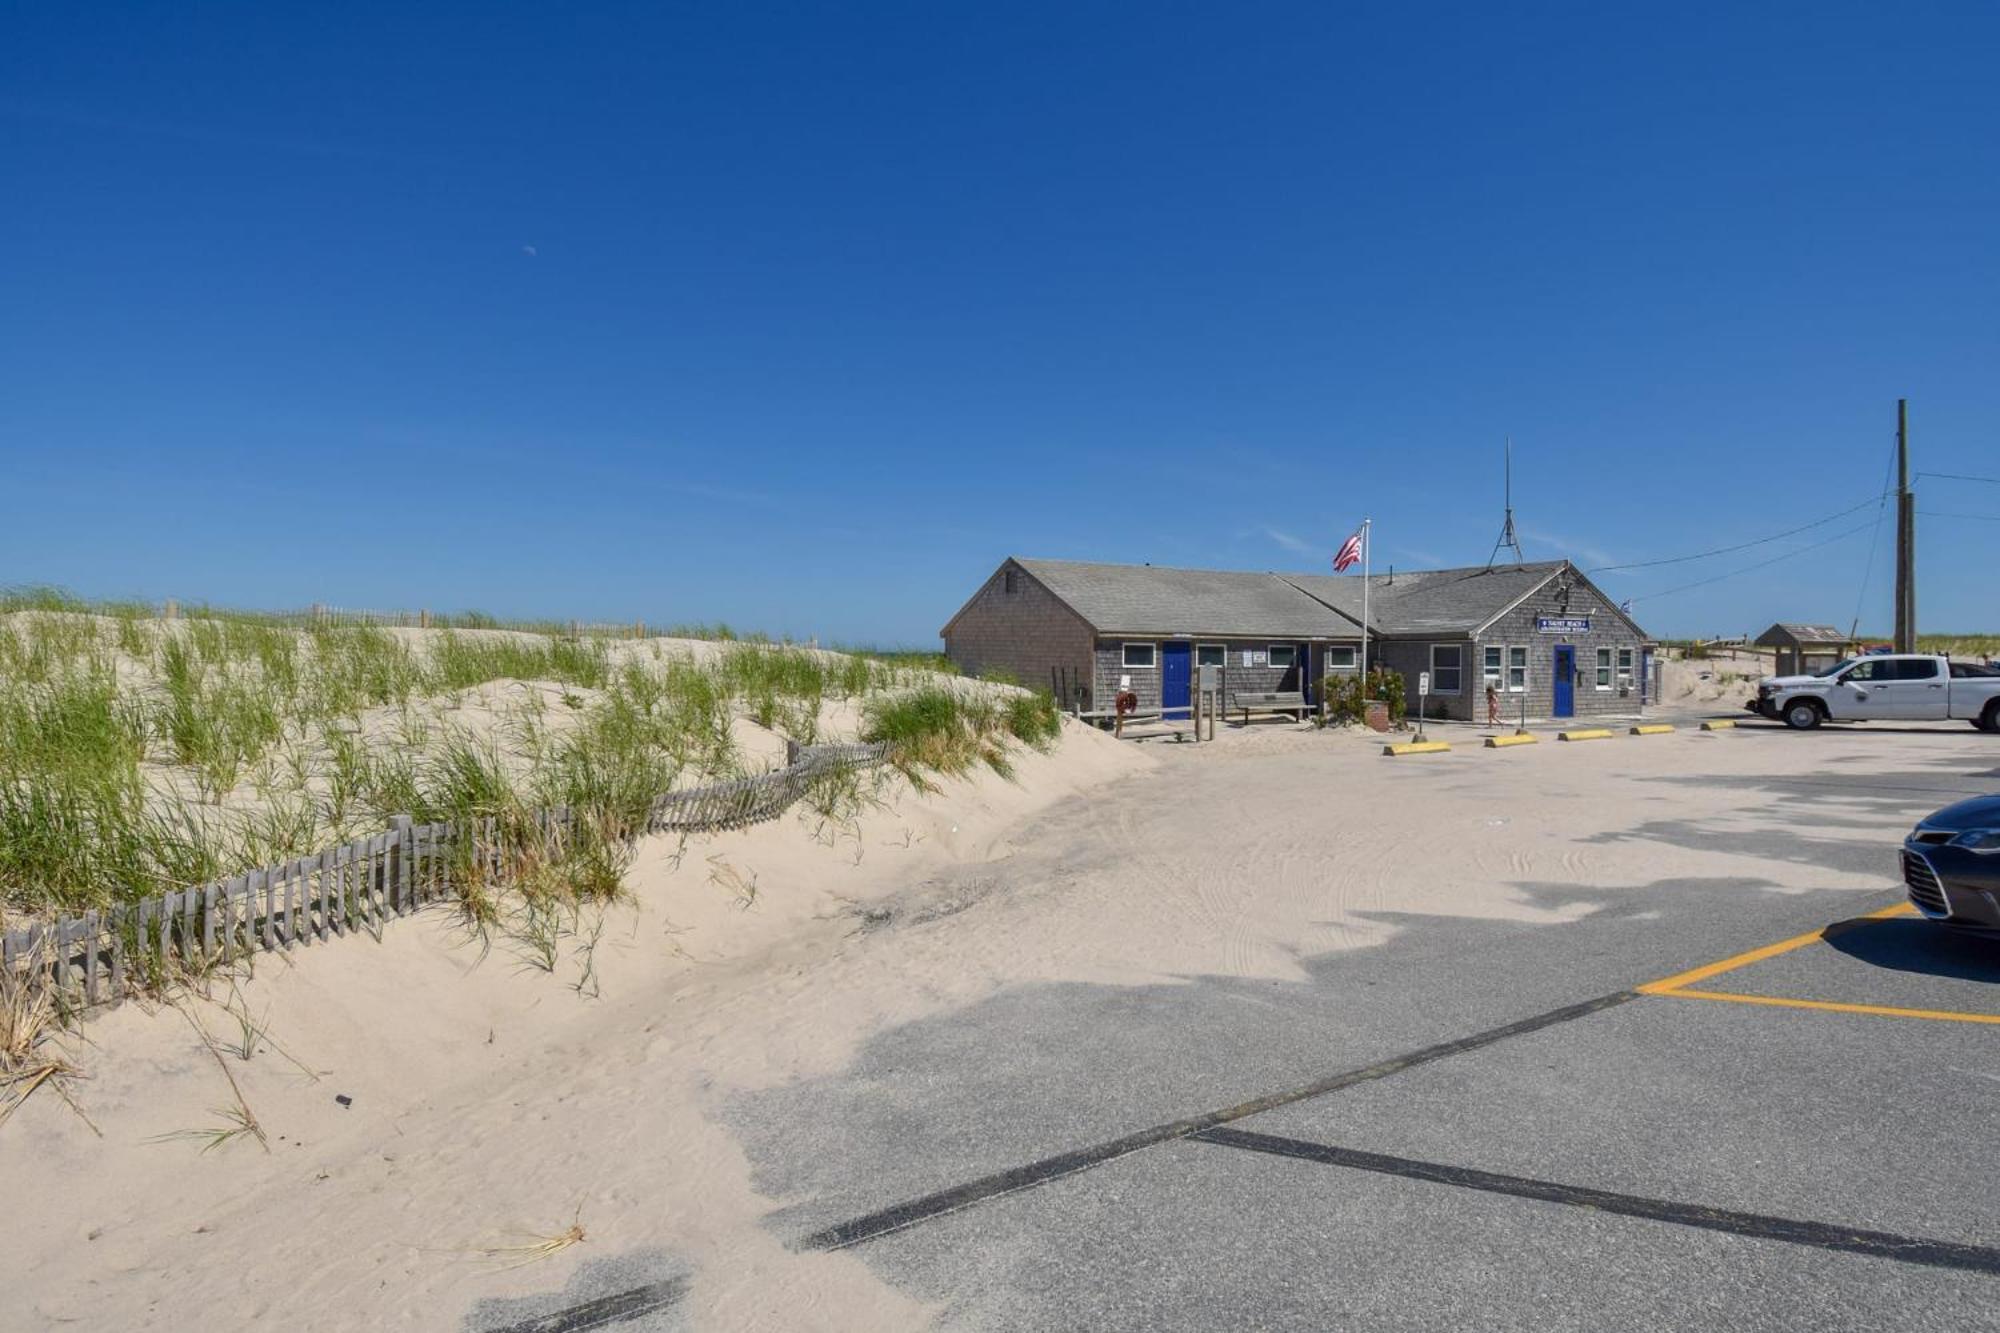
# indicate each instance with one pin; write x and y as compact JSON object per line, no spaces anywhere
{"x":1349,"y":552}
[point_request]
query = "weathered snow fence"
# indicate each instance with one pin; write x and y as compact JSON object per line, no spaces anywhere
{"x":97,"y":957}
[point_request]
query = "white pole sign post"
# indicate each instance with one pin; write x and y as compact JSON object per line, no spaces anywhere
{"x":1423,"y":700}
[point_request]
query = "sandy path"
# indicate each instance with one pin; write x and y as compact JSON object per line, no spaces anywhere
{"x":490,"y":1104}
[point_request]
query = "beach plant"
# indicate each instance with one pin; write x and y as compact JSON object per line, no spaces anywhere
{"x":141,"y":754}
{"x":947,"y":729}
{"x":31,"y":1018}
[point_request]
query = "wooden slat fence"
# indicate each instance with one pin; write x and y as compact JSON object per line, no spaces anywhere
{"x":97,"y":957}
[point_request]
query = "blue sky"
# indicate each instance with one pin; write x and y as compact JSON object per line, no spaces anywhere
{"x":803,"y":317}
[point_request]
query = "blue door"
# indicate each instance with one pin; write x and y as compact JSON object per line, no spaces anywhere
{"x":1174,"y":663}
{"x":1564,"y":680}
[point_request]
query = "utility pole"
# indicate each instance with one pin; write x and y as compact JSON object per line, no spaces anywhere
{"x":1906,"y":537}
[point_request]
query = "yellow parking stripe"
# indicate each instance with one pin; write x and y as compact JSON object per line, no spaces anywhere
{"x":1834,"y":1006}
{"x":1672,"y":984}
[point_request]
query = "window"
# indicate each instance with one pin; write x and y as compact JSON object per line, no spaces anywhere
{"x":1492,"y":664}
{"x":1210,"y":654}
{"x":1139,"y":656}
{"x":1913,"y":668}
{"x":1517,"y":670}
{"x":1865,"y":672}
{"x":1339,"y":657}
{"x":1447,"y":664}
{"x":1284,"y":656}
{"x":1603,"y":668}
{"x":1013,"y":582}
{"x":1624,"y":670}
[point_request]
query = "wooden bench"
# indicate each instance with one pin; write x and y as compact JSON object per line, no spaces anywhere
{"x":1270,"y":701}
{"x":1099,"y":717}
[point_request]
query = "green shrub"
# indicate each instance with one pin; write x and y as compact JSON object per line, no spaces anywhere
{"x":1346,"y":700}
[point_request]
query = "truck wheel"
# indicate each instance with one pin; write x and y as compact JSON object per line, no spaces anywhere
{"x":1803,"y":715}
{"x":1989,"y":721}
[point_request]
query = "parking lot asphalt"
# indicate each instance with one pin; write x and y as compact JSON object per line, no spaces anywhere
{"x":1842,"y":1123}
{"x":1476,"y":1123}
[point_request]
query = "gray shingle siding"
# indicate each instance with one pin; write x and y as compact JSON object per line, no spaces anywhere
{"x":1236,"y":677}
{"x":1027,"y":634}
{"x":1608,"y":629}
{"x":1076,"y":617}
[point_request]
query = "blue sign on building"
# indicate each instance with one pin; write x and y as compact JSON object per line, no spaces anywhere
{"x":1562,"y":624}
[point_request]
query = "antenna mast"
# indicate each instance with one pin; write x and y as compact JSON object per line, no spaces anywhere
{"x":1508,"y":541}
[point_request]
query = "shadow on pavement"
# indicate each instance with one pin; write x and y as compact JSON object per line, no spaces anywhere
{"x":1905,"y":944}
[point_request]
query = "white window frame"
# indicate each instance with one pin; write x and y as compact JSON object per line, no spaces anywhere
{"x":1152,"y":662}
{"x":1459,"y":667}
{"x":1492,"y":665}
{"x":1605,"y":672}
{"x":1221,"y":651}
{"x":1517,"y":668}
{"x":1349,"y":665}
{"x":1625,"y":659}
{"x":1271,"y":651}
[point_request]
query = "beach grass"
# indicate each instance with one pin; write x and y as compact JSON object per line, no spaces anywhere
{"x":141,"y":754}
{"x":940,"y":728}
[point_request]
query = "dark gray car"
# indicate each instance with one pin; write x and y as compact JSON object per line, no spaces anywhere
{"x":1951,"y":865}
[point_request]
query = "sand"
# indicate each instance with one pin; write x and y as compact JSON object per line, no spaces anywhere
{"x":492,"y":1103}
{"x":1724,"y":681}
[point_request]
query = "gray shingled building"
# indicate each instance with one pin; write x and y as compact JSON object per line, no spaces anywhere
{"x":1542,"y":634}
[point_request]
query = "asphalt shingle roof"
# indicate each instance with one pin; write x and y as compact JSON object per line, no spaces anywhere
{"x":1430,"y":601}
{"x":1802,"y":634}
{"x":1154,"y":599}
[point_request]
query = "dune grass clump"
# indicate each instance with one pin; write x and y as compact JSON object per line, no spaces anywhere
{"x":31,"y":1017}
{"x":1033,"y":718}
{"x":460,"y":661}
{"x":945,"y":730}
{"x":140,"y":755}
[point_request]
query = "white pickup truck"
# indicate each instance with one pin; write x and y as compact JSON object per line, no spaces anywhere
{"x":1904,"y":687}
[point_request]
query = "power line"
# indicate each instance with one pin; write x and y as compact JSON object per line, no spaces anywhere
{"x":1874,"y":544}
{"x":1747,"y":569}
{"x":1939,"y":513}
{"x":1741,"y":546}
{"x":1960,"y":476}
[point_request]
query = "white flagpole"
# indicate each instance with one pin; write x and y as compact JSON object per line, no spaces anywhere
{"x":1367,"y":540}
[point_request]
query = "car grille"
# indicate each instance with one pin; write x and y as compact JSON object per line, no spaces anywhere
{"x":1935,"y":837}
{"x":1925,"y":889}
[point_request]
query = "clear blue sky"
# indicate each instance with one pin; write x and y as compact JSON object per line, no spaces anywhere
{"x":804,"y":317}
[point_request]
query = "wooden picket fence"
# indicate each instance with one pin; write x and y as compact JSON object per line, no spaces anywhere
{"x":97,"y":958}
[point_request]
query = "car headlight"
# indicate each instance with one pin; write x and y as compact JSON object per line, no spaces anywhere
{"x":1978,"y":840}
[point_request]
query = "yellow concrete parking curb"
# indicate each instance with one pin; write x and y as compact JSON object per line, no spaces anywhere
{"x":1652,"y":729}
{"x":1592,"y":734}
{"x":1417,"y":747}
{"x":1502,"y":742}
{"x":1718,"y":726}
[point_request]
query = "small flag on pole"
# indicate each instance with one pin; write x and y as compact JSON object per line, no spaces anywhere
{"x":1349,"y":553}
